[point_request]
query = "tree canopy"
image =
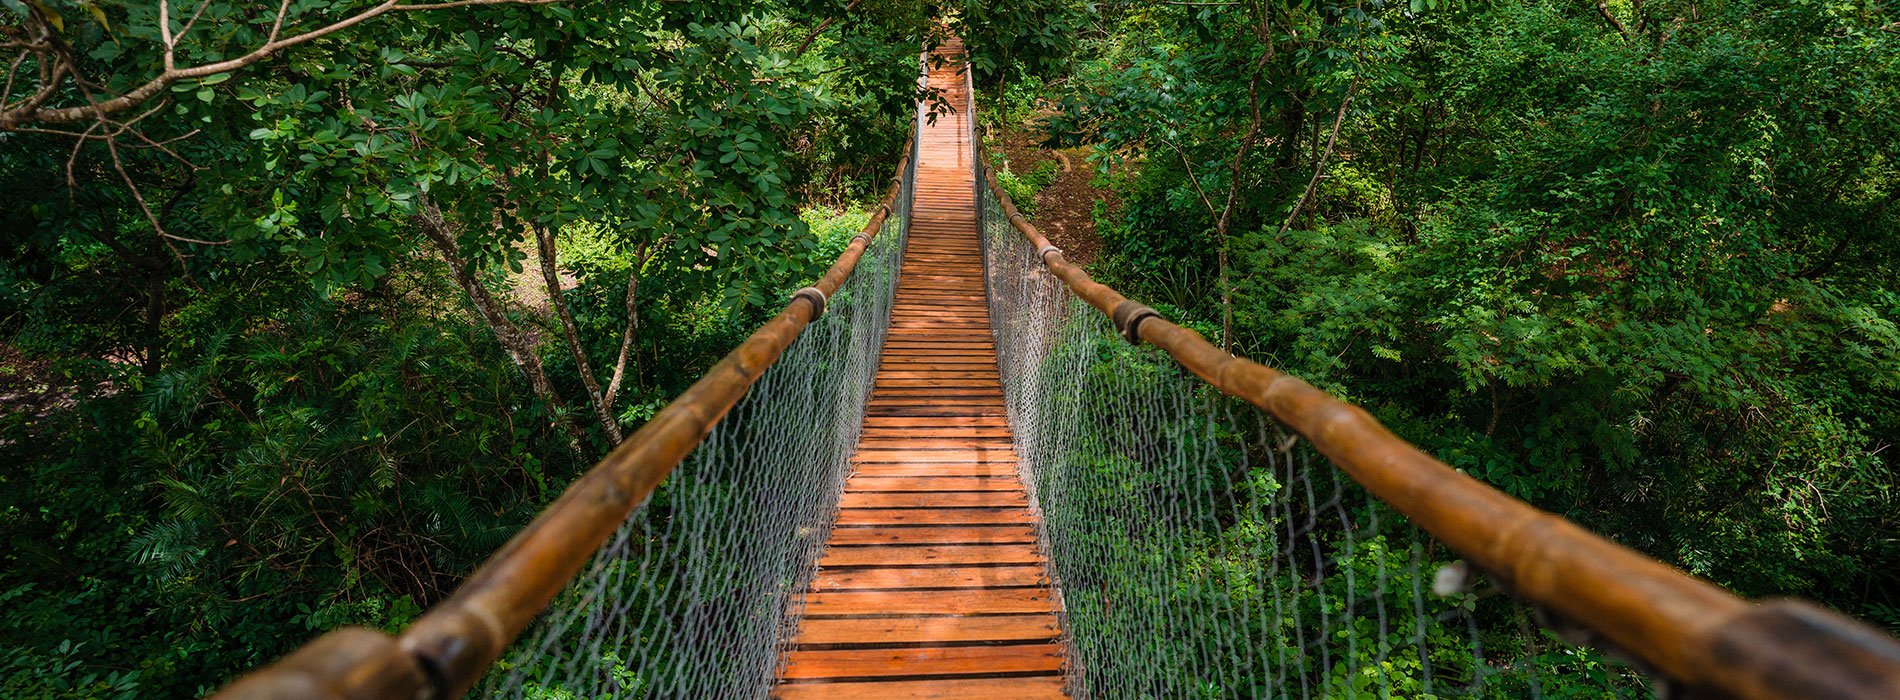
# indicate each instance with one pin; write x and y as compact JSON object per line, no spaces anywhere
{"x":306,"y":306}
{"x":1632,"y":260}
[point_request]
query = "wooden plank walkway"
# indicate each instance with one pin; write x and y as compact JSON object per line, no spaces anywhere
{"x":932,"y":585}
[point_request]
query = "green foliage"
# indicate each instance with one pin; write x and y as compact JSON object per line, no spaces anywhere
{"x":834,"y":229}
{"x":1033,"y":36}
{"x":250,"y":398}
{"x":1638,"y":272}
{"x":1023,"y":188}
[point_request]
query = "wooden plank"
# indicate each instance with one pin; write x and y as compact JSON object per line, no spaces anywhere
{"x":940,"y":534}
{"x":932,"y":483}
{"x":934,"y":516}
{"x":902,"y":432}
{"x":975,"y":422}
{"x":942,"y":354}
{"x":1000,"y":455}
{"x":868,"y":603}
{"x":941,"y":347}
{"x":940,"y":396}
{"x":930,"y":555}
{"x":934,"y":499}
{"x":949,"y":392}
{"x":939,"y":409}
{"x":956,"y":307}
{"x":897,"y":391}
{"x":1041,"y":688}
{"x":937,"y":364}
{"x":945,"y":373}
{"x":949,"y":410}
{"x":965,"y":660}
{"x":984,"y":404}
{"x":925,"y":442}
{"x":922,"y":338}
{"x":932,"y":577}
{"x":920,"y":344}
{"x":976,"y":469}
{"x":925,"y":630}
{"x":951,"y":361}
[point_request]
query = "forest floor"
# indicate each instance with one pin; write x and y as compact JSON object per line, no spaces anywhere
{"x":530,"y":289}
{"x":1065,"y":210}
{"x":31,"y":387}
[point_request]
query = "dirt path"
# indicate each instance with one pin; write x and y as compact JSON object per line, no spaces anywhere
{"x":1065,"y":210}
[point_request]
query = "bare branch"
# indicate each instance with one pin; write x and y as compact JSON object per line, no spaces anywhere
{"x":1319,"y":168}
{"x":195,"y":14}
{"x":277,"y":25}
{"x":6,"y":94}
{"x":822,"y":26}
{"x":72,"y":183}
{"x":633,"y":322}
{"x":192,"y":240}
{"x":165,"y":34}
{"x":1603,"y":8}
{"x":119,"y":165}
{"x":31,"y":111}
{"x":1193,"y":179}
{"x":551,"y":276}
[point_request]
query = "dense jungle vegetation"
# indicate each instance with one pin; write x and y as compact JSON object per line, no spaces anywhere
{"x":306,"y":307}
{"x":1634,"y":261}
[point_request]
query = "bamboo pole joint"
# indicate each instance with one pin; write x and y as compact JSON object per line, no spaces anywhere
{"x":815,"y":297}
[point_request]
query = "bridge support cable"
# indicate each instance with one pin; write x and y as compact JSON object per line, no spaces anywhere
{"x":701,"y":528}
{"x":1207,"y":549}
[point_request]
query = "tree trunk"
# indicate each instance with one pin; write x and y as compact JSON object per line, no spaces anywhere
{"x":519,"y":347}
{"x":1292,"y":131}
{"x":550,"y":273}
{"x":1226,"y":300}
{"x":626,"y":334}
{"x":150,"y":364}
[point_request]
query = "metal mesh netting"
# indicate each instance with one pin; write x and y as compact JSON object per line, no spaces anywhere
{"x":1202,"y":551}
{"x":694,"y":595}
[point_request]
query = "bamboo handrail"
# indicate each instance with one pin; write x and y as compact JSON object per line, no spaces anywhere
{"x":451,"y":646}
{"x":1693,"y":632}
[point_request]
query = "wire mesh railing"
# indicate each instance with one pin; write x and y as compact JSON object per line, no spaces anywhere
{"x":1205,"y":549}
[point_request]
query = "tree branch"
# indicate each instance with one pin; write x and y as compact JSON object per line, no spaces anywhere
{"x":30,"y":111}
{"x":633,"y":324}
{"x":822,"y":26}
{"x":1319,"y":169}
{"x":1603,"y":8}
{"x":551,"y":275}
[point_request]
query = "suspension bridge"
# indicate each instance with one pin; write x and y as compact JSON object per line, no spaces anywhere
{"x":957,"y":467}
